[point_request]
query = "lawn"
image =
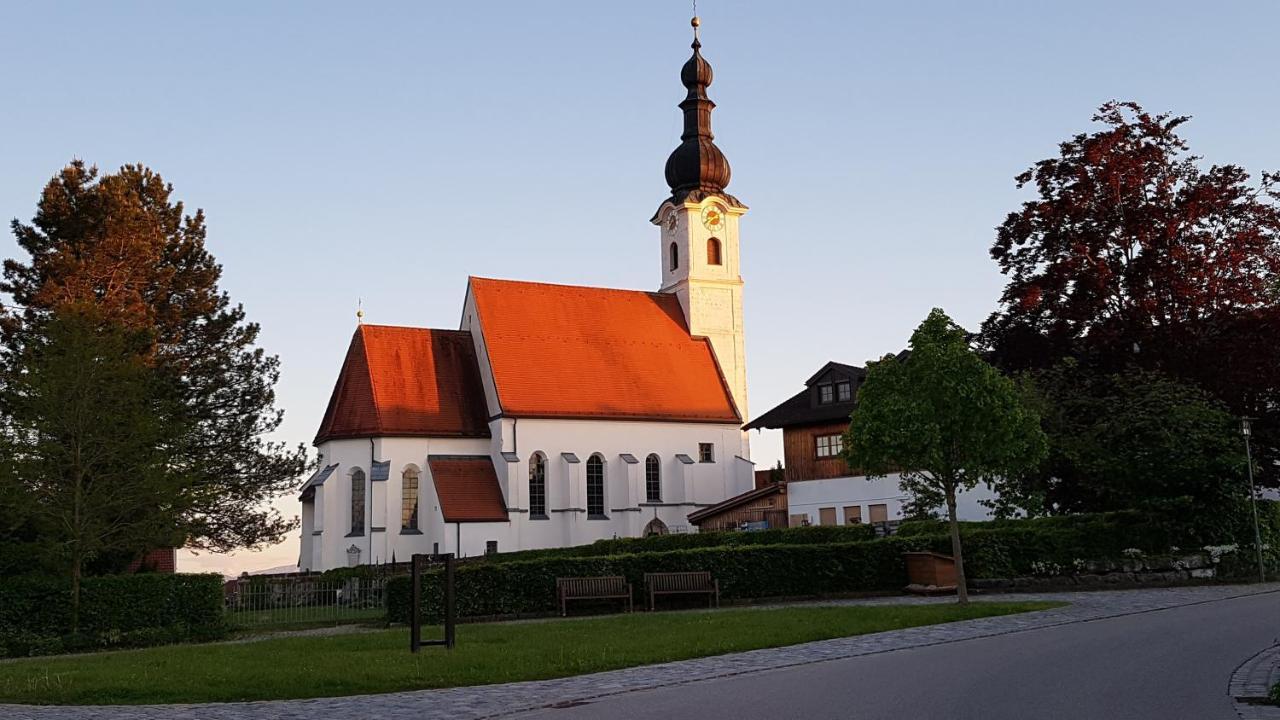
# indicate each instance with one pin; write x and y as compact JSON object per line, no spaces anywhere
{"x":298,"y":618}
{"x":375,"y":662}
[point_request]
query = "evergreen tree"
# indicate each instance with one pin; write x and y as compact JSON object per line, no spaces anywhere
{"x":88,"y":428}
{"x":118,"y":243}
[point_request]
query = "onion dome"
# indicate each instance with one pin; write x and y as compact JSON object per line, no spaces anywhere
{"x":697,"y":169}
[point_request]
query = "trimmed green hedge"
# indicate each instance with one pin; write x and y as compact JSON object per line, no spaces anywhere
{"x":115,"y":611}
{"x":810,"y":561}
{"x":744,"y":571}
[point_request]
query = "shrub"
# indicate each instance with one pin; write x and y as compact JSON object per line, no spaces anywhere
{"x":115,"y":611}
{"x":744,"y":571}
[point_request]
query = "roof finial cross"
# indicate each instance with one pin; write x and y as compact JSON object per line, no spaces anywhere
{"x":359,"y":311}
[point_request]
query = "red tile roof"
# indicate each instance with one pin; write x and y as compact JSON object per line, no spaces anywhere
{"x":562,"y":351}
{"x":468,"y":488}
{"x":400,"y":381}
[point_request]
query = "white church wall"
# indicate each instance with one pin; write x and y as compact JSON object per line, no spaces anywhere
{"x":625,"y":494}
{"x":471,"y":323}
{"x":685,"y":487}
{"x":383,"y":537}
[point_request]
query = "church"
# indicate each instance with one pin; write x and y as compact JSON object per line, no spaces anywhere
{"x":554,"y":415}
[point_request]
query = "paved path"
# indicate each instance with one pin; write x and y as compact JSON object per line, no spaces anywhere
{"x":1107,"y":655}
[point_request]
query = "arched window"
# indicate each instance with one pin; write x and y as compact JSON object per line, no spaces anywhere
{"x":675,"y":257}
{"x":357,"y":502}
{"x":653,"y":479}
{"x":713,"y":252}
{"x":595,"y":486}
{"x":538,"y":486}
{"x":409,"y":498}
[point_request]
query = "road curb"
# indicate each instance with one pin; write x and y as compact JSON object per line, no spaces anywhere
{"x":1251,"y":684}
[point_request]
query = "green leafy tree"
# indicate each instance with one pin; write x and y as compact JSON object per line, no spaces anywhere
{"x":88,"y":424}
{"x":121,"y":244}
{"x":944,"y":419}
{"x":1134,"y":251}
{"x":1129,"y":440}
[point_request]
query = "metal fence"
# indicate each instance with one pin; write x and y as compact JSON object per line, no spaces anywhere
{"x":302,"y":600}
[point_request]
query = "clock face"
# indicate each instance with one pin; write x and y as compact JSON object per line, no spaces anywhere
{"x":671,"y":221}
{"x":713,"y":218}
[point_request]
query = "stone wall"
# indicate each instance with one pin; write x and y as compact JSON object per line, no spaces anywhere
{"x":1154,"y":570}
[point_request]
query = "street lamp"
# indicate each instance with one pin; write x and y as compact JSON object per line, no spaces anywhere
{"x":1246,"y":429}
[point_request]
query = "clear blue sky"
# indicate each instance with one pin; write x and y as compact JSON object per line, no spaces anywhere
{"x":387,"y":151}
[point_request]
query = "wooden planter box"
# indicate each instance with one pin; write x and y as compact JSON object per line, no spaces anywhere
{"x":930,"y":573}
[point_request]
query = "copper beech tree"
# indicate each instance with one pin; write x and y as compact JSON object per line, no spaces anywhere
{"x":944,"y":419}
{"x":119,"y":244}
{"x":1135,"y":254}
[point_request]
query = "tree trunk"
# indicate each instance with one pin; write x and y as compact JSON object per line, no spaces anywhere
{"x":76,"y":562}
{"x":962,"y":587}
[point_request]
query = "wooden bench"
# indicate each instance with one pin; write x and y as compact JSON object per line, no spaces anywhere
{"x":592,"y":588}
{"x":682,"y":583}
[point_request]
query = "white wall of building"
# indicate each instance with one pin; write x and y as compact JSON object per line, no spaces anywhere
{"x":808,"y":497}
{"x":710,"y":295}
{"x":685,"y":488}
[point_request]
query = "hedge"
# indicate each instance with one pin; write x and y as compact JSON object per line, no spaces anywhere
{"x":744,"y":571}
{"x":805,"y":561}
{"x":115,"y":611}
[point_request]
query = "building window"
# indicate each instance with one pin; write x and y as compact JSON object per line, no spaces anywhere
{"x":706,"y":452}
{"x":879,"y":513}
{"x":827,"y":516}
{"x":653,"y":479}
{"x":409,"y":498}
{"x":538,"y":486}
{"x":713,"y":252}
{"x":675,"y":256}
{"x":357,"y":502}
{"x":852,"y":514}
{"x":490,"y":547}
{"x":595,"y":487}
{"x":829,"y":445}
{"x":826,"y":394}
{"x":844,"y":391}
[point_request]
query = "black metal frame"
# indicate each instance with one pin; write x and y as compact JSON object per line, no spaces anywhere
{"x":450,"y":608}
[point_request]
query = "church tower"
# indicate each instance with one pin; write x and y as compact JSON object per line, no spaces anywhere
{"x":698,"y":233}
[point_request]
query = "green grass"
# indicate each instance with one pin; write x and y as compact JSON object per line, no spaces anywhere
{"x":375,"y":662}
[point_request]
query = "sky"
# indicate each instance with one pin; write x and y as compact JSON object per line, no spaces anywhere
{"x":383,"y":152}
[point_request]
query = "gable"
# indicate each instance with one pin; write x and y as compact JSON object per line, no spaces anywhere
{"x":806,"y":408}
{"x":400,"y":381}
{"x":562,"y":351}
{"x":467,"y":487}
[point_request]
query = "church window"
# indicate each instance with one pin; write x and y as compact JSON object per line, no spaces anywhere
{"x":713,"y":252}
{"x":595,"y":487}
{"x":538,"y":486}
{"x":357,"y":502}
{"x":675,"y":256}
{"x":409,"y":499}
{"x":653,"y":479}
{"x":826,"y":394}
{"x":706,"y":452}
{"x":844,"y":391}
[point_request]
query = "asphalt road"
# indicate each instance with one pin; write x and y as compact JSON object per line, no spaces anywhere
{"x":1169,"y":664}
